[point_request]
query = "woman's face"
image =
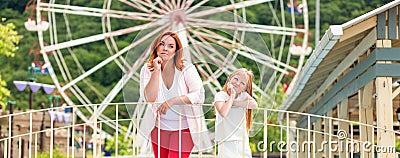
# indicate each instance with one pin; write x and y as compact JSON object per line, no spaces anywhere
{"x":166,"y":48}
{"x":239,"y":82}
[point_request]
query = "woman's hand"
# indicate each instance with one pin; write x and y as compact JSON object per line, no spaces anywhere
{"x":156,"y":64}
{"x":163,"y":108}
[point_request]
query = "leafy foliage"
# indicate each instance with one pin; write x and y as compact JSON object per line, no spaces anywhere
{"x":9,"y":40}
{"x":124,"y":145}
{"x":56,"y":154}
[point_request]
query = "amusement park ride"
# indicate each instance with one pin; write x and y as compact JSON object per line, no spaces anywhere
{"x":199,"y":28}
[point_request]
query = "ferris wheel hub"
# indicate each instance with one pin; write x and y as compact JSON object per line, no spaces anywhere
{"x":178,"y":16}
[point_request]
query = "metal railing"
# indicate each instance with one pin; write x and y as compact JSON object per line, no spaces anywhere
{"x":327,"y":136}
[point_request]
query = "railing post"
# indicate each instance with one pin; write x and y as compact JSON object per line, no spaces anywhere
{"x":265,"y":154}
{"x":318,"y":138}
{"x":328,"y":136}
{"x":94,"y":135}
{"x":73,"y":131}
{"x":343,"y":113}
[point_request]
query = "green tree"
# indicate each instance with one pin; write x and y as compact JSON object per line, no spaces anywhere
{"x":9,"y":39}
{"x":124,"y":145}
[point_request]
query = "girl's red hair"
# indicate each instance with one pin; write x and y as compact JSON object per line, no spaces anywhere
{"x":249,"y":113}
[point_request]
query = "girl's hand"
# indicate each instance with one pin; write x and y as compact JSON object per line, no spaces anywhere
{"x":163,"y":108}
{"x":231,"y":90}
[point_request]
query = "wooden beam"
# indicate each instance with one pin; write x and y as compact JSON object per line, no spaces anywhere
{"x":318,"y":138}
{"x":328,"y":135}
{"x":366,"y":116}
{"x":358,"y":28}
{"x":291,"y":136}
{"x":396,"y":92}
{"x":343,"y":113}
{"x":384,"y":108}
{"x":364,"y":45}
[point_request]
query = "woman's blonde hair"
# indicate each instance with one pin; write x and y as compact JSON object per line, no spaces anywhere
{"x":249,"y":89}
{"x":178,"y":54}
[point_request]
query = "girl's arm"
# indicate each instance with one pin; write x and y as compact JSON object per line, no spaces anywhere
{"x":249,"y":103}
{"x":223,"y":107}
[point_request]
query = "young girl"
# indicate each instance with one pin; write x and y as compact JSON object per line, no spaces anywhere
{"x":233,"y":105}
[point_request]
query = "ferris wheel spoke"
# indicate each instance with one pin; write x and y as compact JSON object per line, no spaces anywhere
{"x":137,"y":6}
{"x":187,"y":4}
{"x":97,"y":12}
{"x":225,"y":45}
{"x":113,"y":93}
{"x":111,"y":58}
{"x":173,"y":3}
{"x":201,"y":50}
{"x":267,"y":63}
{"x":195,"y":6}
{"x":99,"y":37}
{"x":204,"y":42}
{"x":225,"y":8}
{"x":162,"y":5}
{"x":166,"y":2}
{"x":152,"y":6}
{"x":262,"y":57}
{"x":178,"y":4}
{"x":245,"y":27}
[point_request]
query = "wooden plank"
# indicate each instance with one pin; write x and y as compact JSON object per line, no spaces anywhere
{"x":318,"y":138}
{"x":358,"y":28}
{"x":365,"y":112}
{"x":343,"y":113}
{"x":381,"y":28}
{"x":396,"y":92}
{"x":384,"y":108}
{"x":291,"y":134}
{"x":328,"y":134}
{"x":359,"y":50}
{"x":388,"y":70}
{"x":392,"y":29}
{"x":340,"y":95}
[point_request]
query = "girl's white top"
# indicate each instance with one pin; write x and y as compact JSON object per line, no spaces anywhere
{"x":231,"y":126}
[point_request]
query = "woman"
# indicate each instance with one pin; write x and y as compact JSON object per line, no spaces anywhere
{"x":178,"y":87}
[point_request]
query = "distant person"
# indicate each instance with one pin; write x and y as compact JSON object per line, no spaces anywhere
{"x":166,"y":79}
{"x":234,"y":115}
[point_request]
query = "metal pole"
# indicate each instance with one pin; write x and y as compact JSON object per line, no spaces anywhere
{"x":11,"y":126}
{"x":317,"y":22}
{"x":42,"y":128}
{"x":30,"y":98}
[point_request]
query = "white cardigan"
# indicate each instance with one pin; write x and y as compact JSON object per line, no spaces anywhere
{"x":190,"y":85}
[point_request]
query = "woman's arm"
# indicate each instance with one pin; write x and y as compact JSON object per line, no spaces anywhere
{"x":194,"y":85}
{"x":150,"y":79}
{"x":195,"y":94}
{"x":151,"y":89}
{"x":249,"y":103}
{"x":179,"y":100}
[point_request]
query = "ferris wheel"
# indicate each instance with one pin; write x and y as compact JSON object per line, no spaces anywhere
{"x":217,"y":40}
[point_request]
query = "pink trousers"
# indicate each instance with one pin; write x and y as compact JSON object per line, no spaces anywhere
{"x":169,"y":143}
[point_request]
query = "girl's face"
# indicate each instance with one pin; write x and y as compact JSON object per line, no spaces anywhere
{"x":239,"y":82}
{"x":166,"y":48}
